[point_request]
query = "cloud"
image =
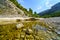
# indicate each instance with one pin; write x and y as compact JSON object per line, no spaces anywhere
{"x":39,"y":8}
{"x":48,"y":4}
{"x":21,"y":0}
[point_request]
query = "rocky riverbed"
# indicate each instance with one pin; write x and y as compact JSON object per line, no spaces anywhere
{"x":48,"y":29}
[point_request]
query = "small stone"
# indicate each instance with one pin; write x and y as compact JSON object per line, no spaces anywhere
{"x":19,"y":25}
{"x":48,"y":31}
{"x":50,"y":27}
{"x":31,"y":37}
{"x":24,"y":30}
{"x":27,"y":36}
{"x":16,"y":39}
{"x":42,"y":38}
{"x":50,"y":39}
{"x":2,"y":36}
{"x":29,"y":31}
{"x":22,"y":36}
{"x":37,"y":37}
{"x":18,"y":36}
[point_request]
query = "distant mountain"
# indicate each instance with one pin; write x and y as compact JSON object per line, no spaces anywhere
{"x":54,"y":8}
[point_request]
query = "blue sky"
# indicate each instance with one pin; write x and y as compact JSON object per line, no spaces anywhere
{"x":38,"y":5}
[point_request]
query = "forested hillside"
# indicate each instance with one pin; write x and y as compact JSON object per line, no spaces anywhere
{"x":53,"y":12}
{"x":29,"y":12}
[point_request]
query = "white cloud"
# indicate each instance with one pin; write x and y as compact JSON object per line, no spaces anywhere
{"x":48,"y":4}
{"x":39,"y":8}
{"x":51,"y":5}
{"x":21,"y":0}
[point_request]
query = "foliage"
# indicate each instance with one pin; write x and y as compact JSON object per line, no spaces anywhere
{"x":19,"y":5}
{"x":28,"y":13}
{"x":54,"y":14}
{"x":36,"y":14}
{"x":31,"y":19}
{"x":18,"y":20}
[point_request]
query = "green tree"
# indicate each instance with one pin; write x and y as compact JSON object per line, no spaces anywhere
{"x":54,"y":14}
{"x":35,"y":12}
{"x":30,"y":12}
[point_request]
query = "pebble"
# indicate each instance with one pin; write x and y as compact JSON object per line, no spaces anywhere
{"x":24,"y":30}
{"x":29,"y":31}
{"x":19,"y":25}
{"x":16,"y":39}
{"x":22,"y":36}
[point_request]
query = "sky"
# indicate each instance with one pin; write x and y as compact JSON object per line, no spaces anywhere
{"x":38,"y":5}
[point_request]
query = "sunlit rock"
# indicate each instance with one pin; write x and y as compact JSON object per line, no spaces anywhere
{"x":16,"y":39}
{"x":24,"y":30}
{"x":22,"y":36}
{"x":29,"y":31}
{"x":19,"y":25}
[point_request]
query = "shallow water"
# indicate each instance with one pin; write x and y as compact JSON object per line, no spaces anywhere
{"x":30,"y":31}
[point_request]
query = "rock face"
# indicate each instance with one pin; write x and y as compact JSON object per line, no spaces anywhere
{"x":8,"y":9}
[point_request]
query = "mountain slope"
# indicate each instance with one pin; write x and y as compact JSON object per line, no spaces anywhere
{"x":53,"y":12}
{"x":9,"y":9}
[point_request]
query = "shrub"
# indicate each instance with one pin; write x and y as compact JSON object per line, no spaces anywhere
{"x":32,"y":19}
{"x":18,"y":20}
